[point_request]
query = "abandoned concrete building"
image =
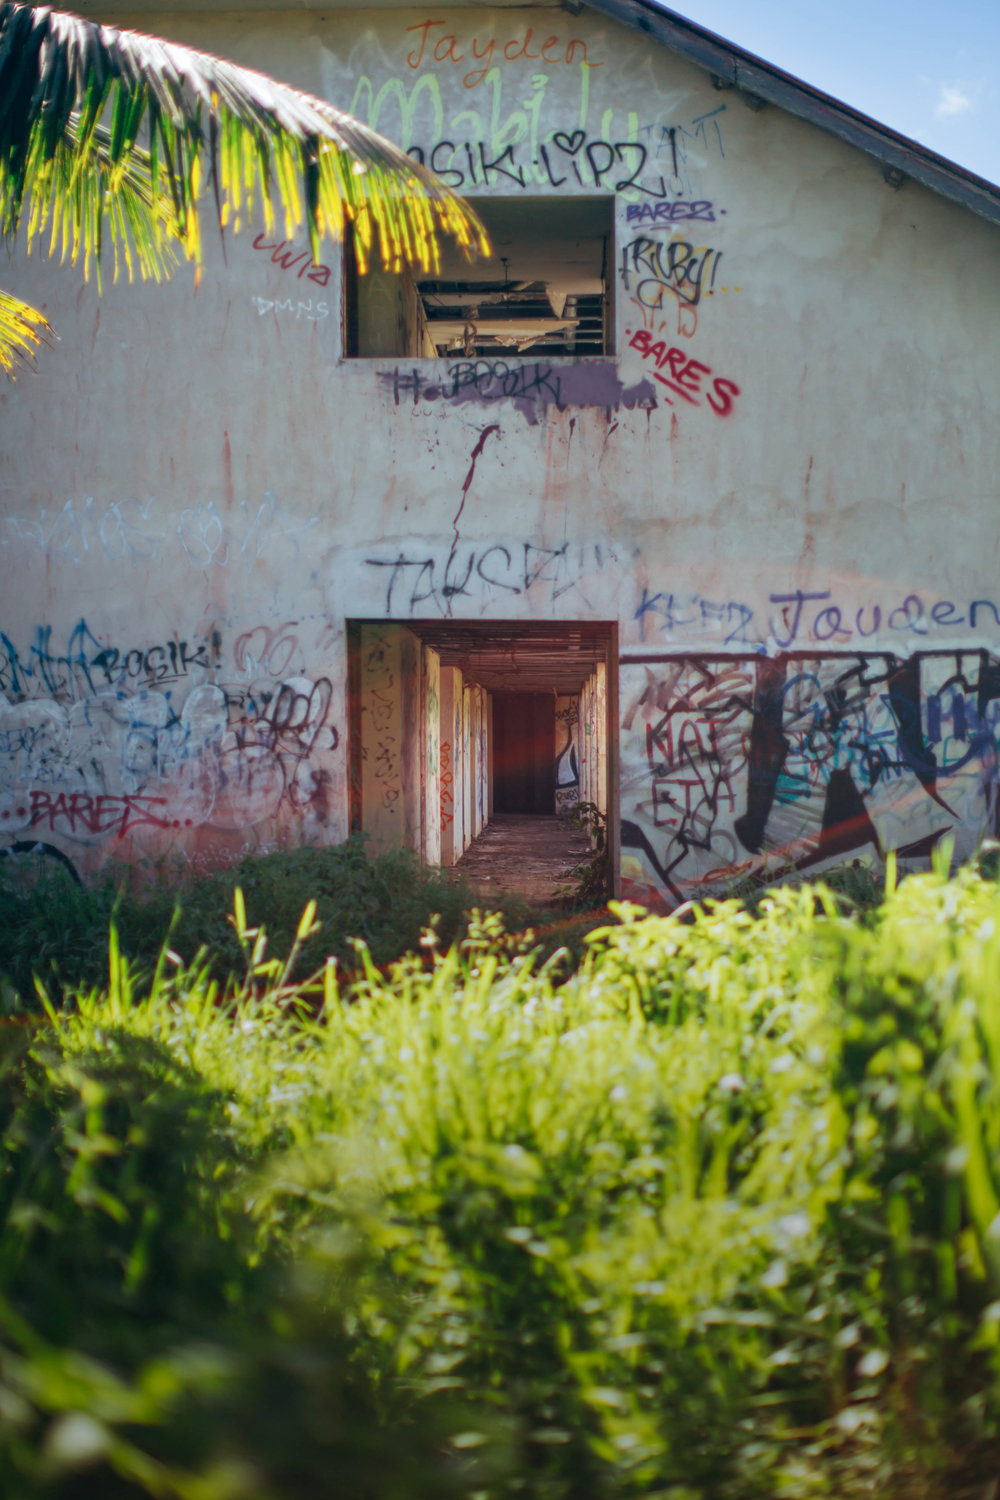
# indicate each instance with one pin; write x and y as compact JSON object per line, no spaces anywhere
{"x":682,"y":503}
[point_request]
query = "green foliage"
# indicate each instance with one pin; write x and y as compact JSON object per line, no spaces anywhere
{"x":715,"y":1217}
{"x":385,"y":900}
{"x":149,"y":1342}
{"x":22,"y":329}
{"x":858,"y":884}
{"x":592,"y":879}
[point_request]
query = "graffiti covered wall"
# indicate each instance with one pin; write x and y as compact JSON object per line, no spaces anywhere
{"x":778,"y":480}
{"x":180,"y":743}
{"x":740,"y":767}
{"x":567,"y":773}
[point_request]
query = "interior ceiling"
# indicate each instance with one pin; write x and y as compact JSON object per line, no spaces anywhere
{"x":540,"y":238}
{"x":541,"y":289}
{"x":511,"y":657}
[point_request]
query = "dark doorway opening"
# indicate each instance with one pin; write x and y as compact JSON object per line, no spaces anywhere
{"x":524,"y":752}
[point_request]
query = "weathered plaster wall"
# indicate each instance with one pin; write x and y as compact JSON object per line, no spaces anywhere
{"x":793,"y":454}
{"x":382,"y":687}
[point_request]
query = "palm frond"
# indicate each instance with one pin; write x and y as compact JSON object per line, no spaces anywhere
{"x":77,"y":193}
{"x":22,"y":329}
{"x":196,"y":113}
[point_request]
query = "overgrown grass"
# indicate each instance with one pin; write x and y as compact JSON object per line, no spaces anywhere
{"x":54,"y":928}
{"x":717,"y":1218}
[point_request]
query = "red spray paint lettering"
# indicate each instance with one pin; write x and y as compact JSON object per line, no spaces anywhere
{"x":80,"y":813}
{"x":685,"y":376}
{"x":290,"y":259}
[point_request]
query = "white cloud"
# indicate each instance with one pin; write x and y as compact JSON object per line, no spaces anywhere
{"x":953,"y":99}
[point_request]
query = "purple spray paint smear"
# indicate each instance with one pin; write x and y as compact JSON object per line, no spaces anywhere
{"x":532,"y":385}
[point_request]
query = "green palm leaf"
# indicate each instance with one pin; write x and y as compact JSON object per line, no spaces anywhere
{"x":22,"y":329}
{"x":102,"y":129}
{"x":78,"y":193}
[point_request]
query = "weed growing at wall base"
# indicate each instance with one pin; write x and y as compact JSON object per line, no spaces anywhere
{"x":52,"y":927}
{"x":714,"y":1217}
{"x":592,"y":879}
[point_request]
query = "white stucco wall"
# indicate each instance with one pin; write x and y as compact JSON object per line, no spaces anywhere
{"x":197,"y":490}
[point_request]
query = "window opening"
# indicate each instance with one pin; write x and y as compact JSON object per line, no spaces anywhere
{"x":544,"y":289}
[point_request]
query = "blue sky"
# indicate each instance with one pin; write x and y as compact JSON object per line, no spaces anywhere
{"x":931,"y":71}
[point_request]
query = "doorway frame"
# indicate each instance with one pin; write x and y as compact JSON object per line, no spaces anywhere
{"x":411,"y":721}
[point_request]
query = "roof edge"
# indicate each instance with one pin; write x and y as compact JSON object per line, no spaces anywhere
{"x":732,"y":67}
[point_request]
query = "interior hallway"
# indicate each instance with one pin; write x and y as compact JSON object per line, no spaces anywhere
{"x":471,"y":741}
{"x":524,"y":854}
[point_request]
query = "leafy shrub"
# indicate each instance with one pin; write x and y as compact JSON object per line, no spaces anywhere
{"x":152,"y":1340}
{"x":591,"y":879}
{"x":385,"y":900}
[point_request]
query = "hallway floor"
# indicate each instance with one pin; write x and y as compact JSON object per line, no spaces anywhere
{"x":524,"y":854}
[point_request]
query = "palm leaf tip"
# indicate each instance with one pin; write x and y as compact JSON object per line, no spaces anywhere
{"x":22,"y":330}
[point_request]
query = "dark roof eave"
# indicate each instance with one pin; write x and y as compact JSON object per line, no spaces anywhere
{"x":757,"y":79}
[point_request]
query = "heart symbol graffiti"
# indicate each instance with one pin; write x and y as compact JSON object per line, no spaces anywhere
{"x":570,"y":143}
